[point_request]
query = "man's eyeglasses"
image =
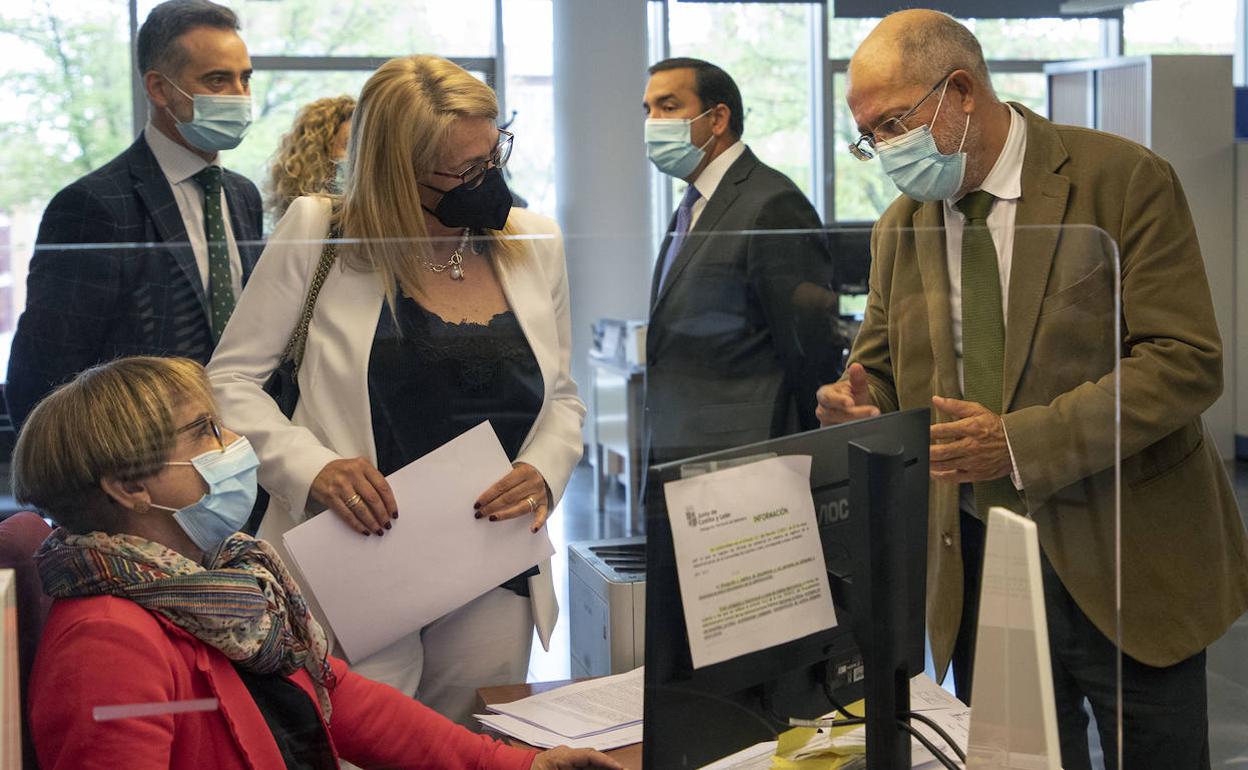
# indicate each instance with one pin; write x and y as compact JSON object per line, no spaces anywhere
{"x":864,"y":148}
{"x":474,"y":175}
{"x":209,"y":422}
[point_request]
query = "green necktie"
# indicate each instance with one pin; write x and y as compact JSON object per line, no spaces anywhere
{"x":220,"y":287}
{"x":983,"y":334}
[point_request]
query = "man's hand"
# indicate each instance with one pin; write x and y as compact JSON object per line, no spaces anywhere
{"x":972,"y":447}
{"x":849,"y":399}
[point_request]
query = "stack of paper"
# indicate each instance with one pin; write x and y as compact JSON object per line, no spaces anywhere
{"x":600,"y":714}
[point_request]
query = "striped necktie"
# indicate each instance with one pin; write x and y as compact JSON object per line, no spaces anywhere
{"x":220,"y":287}
{"x":983,"y":334}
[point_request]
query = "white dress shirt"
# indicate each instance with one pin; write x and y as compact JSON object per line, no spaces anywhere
{"x":711,"y":176}
{"x":179,"y":166}
{"x":1005,"y":182}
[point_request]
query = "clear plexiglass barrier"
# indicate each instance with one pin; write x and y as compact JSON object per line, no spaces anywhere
{"x":861,"y":482}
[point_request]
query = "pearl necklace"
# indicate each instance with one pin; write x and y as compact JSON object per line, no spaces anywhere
{"x":456,"y":263}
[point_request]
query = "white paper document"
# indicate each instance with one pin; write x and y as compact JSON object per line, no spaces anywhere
{"x":376,"y":590}
{"x":583,"y":708}
{"x":749,"y":558}
{"x":547,"y":739}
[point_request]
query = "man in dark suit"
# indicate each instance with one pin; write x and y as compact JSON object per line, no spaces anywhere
{"x":741,"y":303}
{"x":187,"y":230}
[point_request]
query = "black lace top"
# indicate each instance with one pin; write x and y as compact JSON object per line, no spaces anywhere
{"x":430,"y":380}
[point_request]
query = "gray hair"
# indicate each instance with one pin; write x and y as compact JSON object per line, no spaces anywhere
{"x":934,"y":48}
{"x":158,"y":47}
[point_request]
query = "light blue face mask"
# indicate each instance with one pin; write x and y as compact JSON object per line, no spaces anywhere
{"x":669,"y":144}
{"x":339,"y":182}
{"x":918,"y":167}
{"x":219,"y":121}
{"x":231,"y":477}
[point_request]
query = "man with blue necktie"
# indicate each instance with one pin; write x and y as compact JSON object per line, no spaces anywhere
{"x":187,"y":230}
{"x":741,"y":305}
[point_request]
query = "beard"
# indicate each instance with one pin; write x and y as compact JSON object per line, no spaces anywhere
{"x":948,"y":133}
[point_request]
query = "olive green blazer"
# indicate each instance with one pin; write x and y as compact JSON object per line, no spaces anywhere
{"x":1184,"y":556}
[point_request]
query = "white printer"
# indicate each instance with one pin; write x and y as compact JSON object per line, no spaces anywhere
{"x":607,"y":605}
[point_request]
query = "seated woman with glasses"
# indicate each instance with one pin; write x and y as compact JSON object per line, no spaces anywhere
{"x":174,"y":641}
{"x":446,"y":307}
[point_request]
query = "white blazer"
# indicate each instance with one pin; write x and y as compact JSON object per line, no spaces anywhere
{"x":333,"y":419}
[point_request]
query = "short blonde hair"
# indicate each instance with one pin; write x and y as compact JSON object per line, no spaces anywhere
{"x":115,"y":420}
{"x":398,"y":135}
{"x":302,"y":164}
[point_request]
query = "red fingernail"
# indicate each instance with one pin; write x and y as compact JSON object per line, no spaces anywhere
{"x":387,"y":525}
{"x":493,"y":518}
{"x":477,"y":515}
{"x":364,"y":533}
{"x":380,"y":532}
{"x":394,"y":515}
{"x":476,"y":505}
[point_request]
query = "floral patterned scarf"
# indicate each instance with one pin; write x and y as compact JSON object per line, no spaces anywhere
{"x":241,"y":600}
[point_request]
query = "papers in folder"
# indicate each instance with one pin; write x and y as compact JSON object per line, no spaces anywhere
{"x":600,"y":714}
{"x":376,"y":590}
{"x":843,"y":748}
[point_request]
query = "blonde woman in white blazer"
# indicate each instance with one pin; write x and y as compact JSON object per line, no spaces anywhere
{"x":424,"y":253}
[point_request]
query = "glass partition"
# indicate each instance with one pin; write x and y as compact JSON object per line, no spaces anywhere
{"x":744,"y":329}
{"x":745,"y":317}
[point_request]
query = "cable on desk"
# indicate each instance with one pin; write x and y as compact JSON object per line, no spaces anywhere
{"x":940,"y":756}
{"x":941,"y":732}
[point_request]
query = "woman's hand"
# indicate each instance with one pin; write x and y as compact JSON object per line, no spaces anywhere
{"x":564,"y":758}
{"x":357,"y":492}
{"x":519,"y":493}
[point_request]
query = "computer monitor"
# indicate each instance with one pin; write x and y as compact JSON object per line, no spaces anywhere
{"x":695,"y":716}
{"x":851,"y":253}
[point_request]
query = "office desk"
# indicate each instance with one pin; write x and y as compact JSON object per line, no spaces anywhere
{"x":629,"y":756}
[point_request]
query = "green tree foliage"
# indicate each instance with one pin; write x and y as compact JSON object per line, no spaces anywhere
{"x":67,"y":84}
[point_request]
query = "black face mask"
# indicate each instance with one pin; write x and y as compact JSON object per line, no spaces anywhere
{"x":485,"y":206}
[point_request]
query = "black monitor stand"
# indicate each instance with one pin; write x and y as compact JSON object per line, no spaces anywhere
{"x":880,"y":604}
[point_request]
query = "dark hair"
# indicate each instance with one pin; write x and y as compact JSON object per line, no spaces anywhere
{"x":712,"y":85}
{"x":158,"y":48}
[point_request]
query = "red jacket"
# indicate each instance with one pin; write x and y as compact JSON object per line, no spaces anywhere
{"x":102,"y":651}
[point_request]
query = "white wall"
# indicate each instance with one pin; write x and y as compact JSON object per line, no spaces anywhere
{"x":601,"y":171}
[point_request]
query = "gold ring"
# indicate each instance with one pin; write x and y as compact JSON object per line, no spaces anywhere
{"x":532,"y":504}
{"x":353,"y":501}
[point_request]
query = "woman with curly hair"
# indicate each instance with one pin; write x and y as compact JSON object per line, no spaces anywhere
{"x":306,"y":161}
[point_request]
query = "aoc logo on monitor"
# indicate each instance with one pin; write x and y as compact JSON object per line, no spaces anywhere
{"x":833,"y":511}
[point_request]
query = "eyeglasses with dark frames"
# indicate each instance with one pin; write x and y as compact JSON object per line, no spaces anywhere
{"x":864,"y":148}
{"x":474,"y":175}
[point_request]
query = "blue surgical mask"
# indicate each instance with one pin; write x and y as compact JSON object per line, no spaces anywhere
{"x":231,"y":477}
{"x":669,"y":144}
{"x":918,"y":167}
{"x":219,"y":121}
